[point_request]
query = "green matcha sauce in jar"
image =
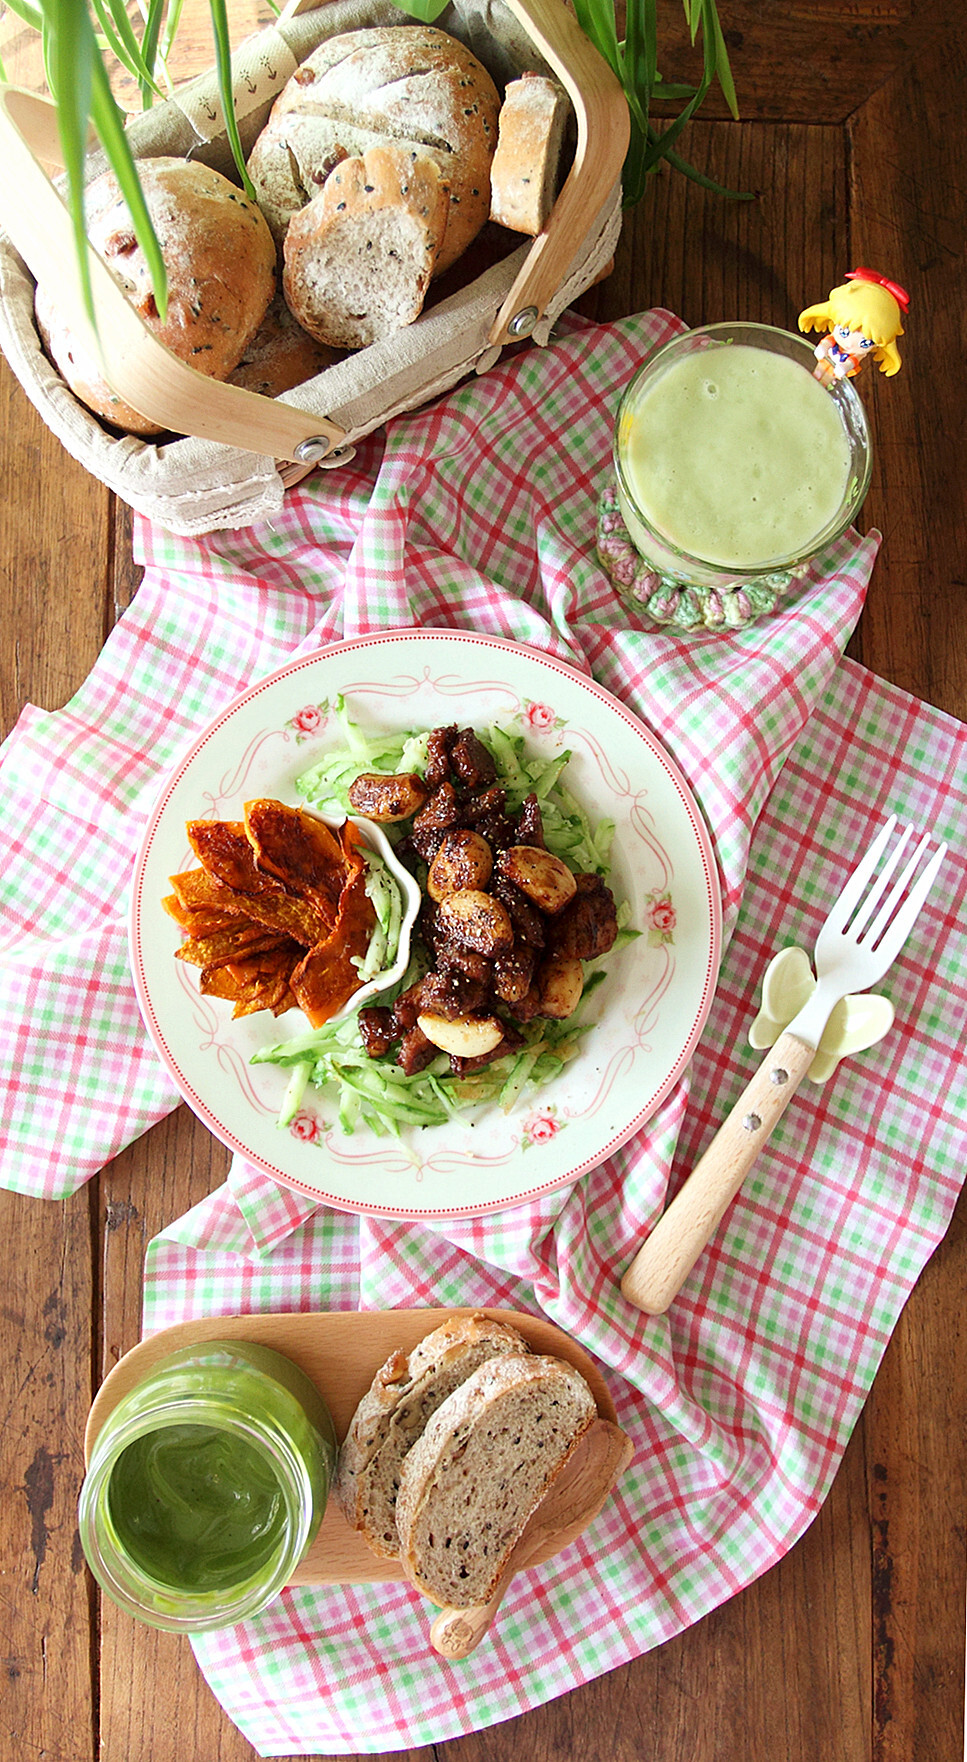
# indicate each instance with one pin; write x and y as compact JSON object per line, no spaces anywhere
{"x":206,"y":1485}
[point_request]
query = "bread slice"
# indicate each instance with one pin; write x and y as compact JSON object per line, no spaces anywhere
{"x":405,"y":1393}
{"x":484,"y":1463}
{"x":296,"y":152}
{"x":524,"y":171}
{"x":359,"y":256}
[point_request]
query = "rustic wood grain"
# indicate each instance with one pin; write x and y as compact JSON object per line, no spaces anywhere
{"x":851,"y":1649}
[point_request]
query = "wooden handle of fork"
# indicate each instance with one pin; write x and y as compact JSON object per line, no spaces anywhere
{"x":663,"y":1263}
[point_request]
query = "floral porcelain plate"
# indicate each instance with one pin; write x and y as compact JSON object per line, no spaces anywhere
{"x":648,"y":1013}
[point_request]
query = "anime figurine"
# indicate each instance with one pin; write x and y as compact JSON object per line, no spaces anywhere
{"x":863,"y":317}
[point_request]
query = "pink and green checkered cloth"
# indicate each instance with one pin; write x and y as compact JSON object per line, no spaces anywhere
{"x":480,"y":512}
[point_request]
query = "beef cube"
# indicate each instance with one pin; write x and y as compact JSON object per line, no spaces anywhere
{"x":451,"y":994}
{"x":442,"y":810}
{"x":530,"y":823}
{"x":513,"y":972}
{"x":450,"y":955}
{"x":416,"y":1052}
{"x":377,"y":1030}
{"x":487,"y":802}
{"x":525,"y":1008}
{"x":588,"y":925}
{"x":407,"y":1008}
{"x":471,"y":761}
{"x":528,"y":922}
{"x":426,"y":841}
{"x":437,"y":769}
{"x":498,"y":830}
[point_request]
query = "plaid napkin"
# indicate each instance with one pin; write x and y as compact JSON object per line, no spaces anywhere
{"x":481,"y":512}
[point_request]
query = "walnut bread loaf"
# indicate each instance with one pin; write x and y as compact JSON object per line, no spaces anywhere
{"x":484,"y":1462}
{"x":220,"y":260}
{"x":391,"y":1416}
{"x":408,"y":85}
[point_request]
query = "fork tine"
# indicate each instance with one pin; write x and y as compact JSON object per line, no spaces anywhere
{"x":853,"y":890}
{"x":895,"y":935}
{"x":896,"y":893}
{"x":880,"y":882}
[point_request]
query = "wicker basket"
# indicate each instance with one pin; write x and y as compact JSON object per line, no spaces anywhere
{"x":243,"y":450}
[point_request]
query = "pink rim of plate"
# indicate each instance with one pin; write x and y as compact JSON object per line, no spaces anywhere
{"x":654,"y":1101}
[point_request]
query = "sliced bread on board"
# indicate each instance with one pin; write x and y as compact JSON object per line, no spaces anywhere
{"x":484,"y":1462}
{"x":391,"y":1416}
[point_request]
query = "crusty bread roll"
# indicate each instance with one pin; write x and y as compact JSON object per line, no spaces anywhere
{"x":220,"y":259}
{"x":359,"y":256}
{"x":410,"y":85}
{"x":280,"y":355}
{"x":404,"y":1394}
{"x":524,"y":172}
{"x":485,"y":1460}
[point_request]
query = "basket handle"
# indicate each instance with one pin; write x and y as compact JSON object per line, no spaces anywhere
{"x":604,"y":130}
{"x":136,"y":365}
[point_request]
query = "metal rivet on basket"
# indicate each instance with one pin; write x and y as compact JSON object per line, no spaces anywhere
{"x":316,"y":447}
{"x":523,"y":322}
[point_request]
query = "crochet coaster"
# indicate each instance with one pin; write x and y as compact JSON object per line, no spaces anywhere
{"x":666,"y":599}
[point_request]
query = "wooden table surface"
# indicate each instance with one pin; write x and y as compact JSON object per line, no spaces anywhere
{"x":853,"y":1647}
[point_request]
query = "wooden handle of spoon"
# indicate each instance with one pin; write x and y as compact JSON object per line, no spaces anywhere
{"x":663,"y":1263}
{"x":569,"y":1505}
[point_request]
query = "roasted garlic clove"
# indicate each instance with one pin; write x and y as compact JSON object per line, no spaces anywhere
{"x":387,"y":798}
{"x":478,"y":920}
{"x":560,"y":981}
{"x":544,"y":878}
{"x":463,"y":860}
{"x":466,"y":1037}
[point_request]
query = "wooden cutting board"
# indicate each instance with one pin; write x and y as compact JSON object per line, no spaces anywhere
{"x":341,"y":1350}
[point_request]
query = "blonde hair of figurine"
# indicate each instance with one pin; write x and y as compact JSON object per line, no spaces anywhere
{"x":867,"y":306}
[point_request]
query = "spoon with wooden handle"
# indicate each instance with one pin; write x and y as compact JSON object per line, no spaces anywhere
{"x":575,"y":1498}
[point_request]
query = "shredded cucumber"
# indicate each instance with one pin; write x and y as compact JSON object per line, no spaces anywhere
{"x":376,"y":1093}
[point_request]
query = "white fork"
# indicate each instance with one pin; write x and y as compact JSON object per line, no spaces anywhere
{"x":860,"y":939}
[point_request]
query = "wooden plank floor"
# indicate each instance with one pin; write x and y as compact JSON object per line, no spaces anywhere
{"x":851,"y":1650}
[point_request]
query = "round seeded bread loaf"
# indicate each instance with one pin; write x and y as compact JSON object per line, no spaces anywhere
{"x":483,"y":1464}
{"x":404,"y":1394}
{"x":359,"y":256}
{"x":281,"y":355}
{"x":410,"y":85}
{"x":220,"y":259}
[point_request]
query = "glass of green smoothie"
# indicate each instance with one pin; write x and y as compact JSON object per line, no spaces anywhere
{"x":734,"y":465}
{"x":206,"y":1485}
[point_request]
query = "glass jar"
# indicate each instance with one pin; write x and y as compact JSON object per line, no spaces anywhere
{"x":734,"y":466}
{"x":206,"y":1485}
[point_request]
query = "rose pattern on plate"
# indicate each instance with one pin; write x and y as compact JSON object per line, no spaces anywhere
{"x":540,"y":1127}
{"x":309,"y":721}
{"x":660,"y":918}
{"x":307,"y":1126}
{"x":540,"y":718}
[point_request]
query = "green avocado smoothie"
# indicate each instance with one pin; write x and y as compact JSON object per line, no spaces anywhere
{"x":206,"y":1485}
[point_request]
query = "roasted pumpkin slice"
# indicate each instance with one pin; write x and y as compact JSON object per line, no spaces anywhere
{"x":301,"y":852}
{"x":227,"y":854}
{"x":326,"y":979}
{"x":241,"y":940}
